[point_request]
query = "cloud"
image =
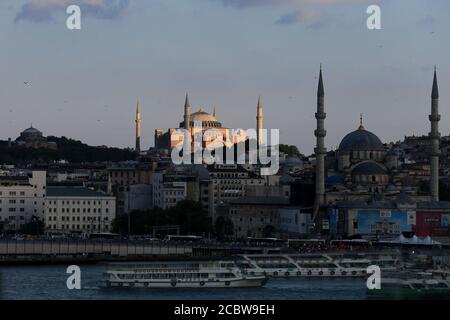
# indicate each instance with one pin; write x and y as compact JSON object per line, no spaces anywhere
{"x":299,"y":16}
{"x":304,"y":11}
{"x":44,"y":10}
{"x":255,"y":3}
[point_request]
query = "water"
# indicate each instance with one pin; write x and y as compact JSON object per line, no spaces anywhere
{"x":49,"y":282}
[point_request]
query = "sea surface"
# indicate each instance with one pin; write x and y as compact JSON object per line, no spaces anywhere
{"x":49,"y":283}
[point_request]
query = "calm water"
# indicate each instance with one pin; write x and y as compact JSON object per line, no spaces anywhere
{"x":49,"y":282}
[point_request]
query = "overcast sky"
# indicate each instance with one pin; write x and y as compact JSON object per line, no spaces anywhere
{"x":84,"y":84}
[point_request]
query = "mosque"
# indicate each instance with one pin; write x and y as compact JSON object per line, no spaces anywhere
{"x":33,"y":138}
{"x":363,"y":189}
{"x":363,"y":166}
{"x":166,"y":141}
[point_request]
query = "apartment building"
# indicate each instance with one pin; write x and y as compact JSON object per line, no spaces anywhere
{"x":78,"y":210}
{"x":22,"y":197}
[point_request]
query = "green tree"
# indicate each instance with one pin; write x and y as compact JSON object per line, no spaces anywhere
{"x":190,"y":215}
{"x":34,"y":227}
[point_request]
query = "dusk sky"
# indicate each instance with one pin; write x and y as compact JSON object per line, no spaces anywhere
{"x":84,"y":84}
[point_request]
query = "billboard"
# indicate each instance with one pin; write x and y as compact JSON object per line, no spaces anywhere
{"x":432,"y":224}
{"x":382,"y":222}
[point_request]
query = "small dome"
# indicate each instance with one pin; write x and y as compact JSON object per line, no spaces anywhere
{"x":293,"y":161}
{"x":368,"y":168}
{"x":361,"y":140}
{"x":31,"y":130}
{"x":391,"y":188}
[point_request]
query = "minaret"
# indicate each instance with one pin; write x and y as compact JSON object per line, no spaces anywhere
{"x":187,"y":113}
{"x":138,"y":128}
{"x":434,"y":140}
{"x":320,"y":150}
{"x":259,"y":121}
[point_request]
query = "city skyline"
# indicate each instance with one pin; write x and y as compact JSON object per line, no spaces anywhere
{"x":94,"y":76}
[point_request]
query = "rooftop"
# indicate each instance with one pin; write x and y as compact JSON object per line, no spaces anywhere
{"x":82,"y":192}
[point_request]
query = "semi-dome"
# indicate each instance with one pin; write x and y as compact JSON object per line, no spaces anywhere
{"x":361,"y":140}
{"x":368,"y":168}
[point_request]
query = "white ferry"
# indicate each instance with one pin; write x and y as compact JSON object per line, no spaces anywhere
{"x":313,"y":265}
{"x":204,"y":274}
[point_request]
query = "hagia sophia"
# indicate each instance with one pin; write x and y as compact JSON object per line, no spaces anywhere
{"x":166,"y":141}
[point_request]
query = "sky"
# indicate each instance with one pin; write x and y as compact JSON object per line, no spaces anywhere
{"x":84,"y":84}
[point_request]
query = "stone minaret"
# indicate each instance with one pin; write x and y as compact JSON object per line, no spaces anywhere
{"x":320,"y":150}
{"x":259,"y":121}
{"x":187,"y":113}
{"x":138,"y":128}
{"x":434,"y":140}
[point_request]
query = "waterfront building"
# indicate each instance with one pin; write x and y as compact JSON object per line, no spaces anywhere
{"x":128,"y":173}
{"x":255,"y":216}
{"x":134,"y":197}
{"x":390,"y":218}
{"x":167,"y":192}
{"x":293,"y":223}
{"x":22,"y":197}
{"x":78,"y":210}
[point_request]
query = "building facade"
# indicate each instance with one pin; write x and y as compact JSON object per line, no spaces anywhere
{"x":78,"y":210}
{"x":22,"y":197}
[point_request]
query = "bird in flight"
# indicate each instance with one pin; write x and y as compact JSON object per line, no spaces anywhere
{"x":26,"y":83}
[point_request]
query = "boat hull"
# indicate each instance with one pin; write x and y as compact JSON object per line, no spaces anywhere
{"x":235,"y":283}
{"x":408,"y":294}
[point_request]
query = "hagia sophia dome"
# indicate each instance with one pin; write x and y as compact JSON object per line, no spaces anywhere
{"x":207,"y":120}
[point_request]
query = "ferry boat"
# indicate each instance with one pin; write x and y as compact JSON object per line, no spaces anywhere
{"x":204,"y":274}
{"x":417,"y":286}
{"x":314,"y":265}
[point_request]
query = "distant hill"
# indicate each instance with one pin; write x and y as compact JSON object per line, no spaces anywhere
{"x":73,"y":151}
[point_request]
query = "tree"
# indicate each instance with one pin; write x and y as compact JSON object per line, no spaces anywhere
{"x":268,"y":231}
{"x":224,"y":227}
{"x":35,"y":227}
{"x":290,"y":150}
{"x":190,"y":215}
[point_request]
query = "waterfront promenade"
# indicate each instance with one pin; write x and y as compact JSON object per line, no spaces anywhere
{"x":63,"y":249}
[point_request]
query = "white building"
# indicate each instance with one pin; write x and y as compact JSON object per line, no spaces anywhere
{"x":134,"y":197}
{"x":22,"y":196}
{"x":293,"y":223}
{"x":167,"y":194}
{"x":78,"y":210}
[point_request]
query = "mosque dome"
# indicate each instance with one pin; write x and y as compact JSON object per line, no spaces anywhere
{"x":207,"y":120}
{"x":368,"y":168}
{"x":31,"y":130}
{"x":201,"y":115}
{"x":293,"y":161}
{"x":361,"y":140}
